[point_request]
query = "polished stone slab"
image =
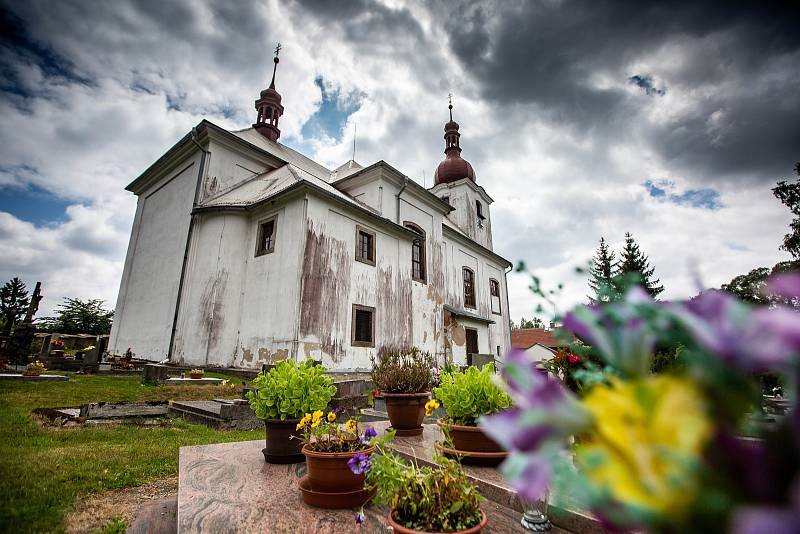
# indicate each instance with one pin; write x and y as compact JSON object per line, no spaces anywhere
{"x":41,"y":378}
{"x":229,"y":488}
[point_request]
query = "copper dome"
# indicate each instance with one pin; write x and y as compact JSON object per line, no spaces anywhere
{"x":453,"y":168}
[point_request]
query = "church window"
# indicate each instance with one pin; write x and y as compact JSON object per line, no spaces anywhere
{"x":479,"y":209}
{"x":494,"y":295}
{"x":418,"y":261}
{"x":469,"y":287}
{"x":363,"y":323}
{"x":265,"y":242}
{"x":365,"y":245}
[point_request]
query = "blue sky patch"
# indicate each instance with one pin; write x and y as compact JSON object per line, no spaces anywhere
{"x":33,"y":204}
{"x":666,"y":191}
{"x":646,"y":83}
{"x":332,"y":114}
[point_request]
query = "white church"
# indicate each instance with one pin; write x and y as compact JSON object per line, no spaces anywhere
{"x":244,"y":251}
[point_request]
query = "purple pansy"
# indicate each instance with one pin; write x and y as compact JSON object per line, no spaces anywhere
{"x":368,"y":434}
{"x":360,"y":463}
{"x":360,"y":518}
{"x":784,"y":284}
{"x":772,"y":519}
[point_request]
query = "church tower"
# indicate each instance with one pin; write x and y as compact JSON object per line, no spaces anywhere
{"x":454,"y":182}
{"x":269,"y":107}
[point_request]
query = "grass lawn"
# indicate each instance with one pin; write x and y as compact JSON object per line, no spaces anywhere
{"x":42,"y":471}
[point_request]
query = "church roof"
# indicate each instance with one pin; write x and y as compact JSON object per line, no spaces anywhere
{"x":285,"y":153}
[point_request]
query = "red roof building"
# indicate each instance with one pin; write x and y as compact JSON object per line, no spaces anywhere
{"x":525,"y":338}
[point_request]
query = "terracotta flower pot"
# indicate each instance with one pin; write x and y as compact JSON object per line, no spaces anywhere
{"x":400,"y":529}
{"x":283,"y":442}
{"x":328,"y":472}
{"x":470,"y":438}
{"x":406,"y":411}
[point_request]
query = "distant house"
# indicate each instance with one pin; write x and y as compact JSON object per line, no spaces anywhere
{"x":539,"y":343}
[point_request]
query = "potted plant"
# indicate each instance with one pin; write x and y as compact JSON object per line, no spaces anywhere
{"x":196,"y":373}
{"x":283,"y":395}
{"x":403,"y":378}
{"x":335,"y":457}
{"x":34,"y":369}
{"x":422,"y":499}
{"x":466,"y":396}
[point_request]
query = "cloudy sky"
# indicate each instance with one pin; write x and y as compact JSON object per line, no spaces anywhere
{"x":582,"y":120}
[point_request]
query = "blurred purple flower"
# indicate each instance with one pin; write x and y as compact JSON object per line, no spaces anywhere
{"x":618,"y":330}
{"x":359,"y":463}
{"x":769,"y":519}
{"x":784,"y":284}
{"x":752,"y":339}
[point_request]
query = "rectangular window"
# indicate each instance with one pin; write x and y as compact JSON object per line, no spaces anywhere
{"x":363,"y":324}
{"x":265,"y":242}
{"x":479,"y":209}
{"x":469,"y":288}
{"x":494,"y":295}
{"x":365,"y":245}
{"x":417,"y":253}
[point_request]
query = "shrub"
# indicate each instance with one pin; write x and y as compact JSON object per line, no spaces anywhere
{"x":405,"y":370}
{"x":469,"y":394}
{"x":290,"y":390}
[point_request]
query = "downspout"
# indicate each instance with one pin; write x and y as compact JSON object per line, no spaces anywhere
{"x":508,"y":310}
{"x":405,"y":184}
{"x":203,"y":154}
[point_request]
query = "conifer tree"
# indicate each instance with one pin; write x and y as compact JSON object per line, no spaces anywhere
{"x":634,"y":266}
{"x":13,"y":303}
{"x":601,"y":275}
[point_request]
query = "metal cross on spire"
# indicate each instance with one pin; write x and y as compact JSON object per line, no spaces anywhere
{"x":275,"y":66}
{"x":450,"y":105}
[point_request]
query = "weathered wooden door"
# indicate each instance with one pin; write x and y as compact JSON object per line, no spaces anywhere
{"x":472,"y":344}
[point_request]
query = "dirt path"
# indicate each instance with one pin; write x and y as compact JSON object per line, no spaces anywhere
{"x":94,"y":512}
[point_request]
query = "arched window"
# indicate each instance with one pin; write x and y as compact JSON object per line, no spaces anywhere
{"x":494,"y":295}
{"x":469,"y":287}
{"x":418,"y":263}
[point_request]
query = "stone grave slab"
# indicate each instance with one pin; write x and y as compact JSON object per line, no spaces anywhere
{"x":40,"y":378}
{"x":229,"y":488}
{"x":177,"y":381}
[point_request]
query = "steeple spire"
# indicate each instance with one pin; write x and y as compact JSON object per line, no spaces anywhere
{"x":454,"y":167}
{"x":275,"y":66}
{"x":269,"y":106}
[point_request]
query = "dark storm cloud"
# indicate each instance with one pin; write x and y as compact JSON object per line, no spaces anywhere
{"x":546,"y":53}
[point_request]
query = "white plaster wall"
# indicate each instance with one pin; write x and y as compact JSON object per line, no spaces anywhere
{"x":209,"y":316}
{"x":270,"y":295}
{"x":226,"y":168}
{"x":537,"y":353}
{"x":151,"y":275}
{"x":462,"y":197}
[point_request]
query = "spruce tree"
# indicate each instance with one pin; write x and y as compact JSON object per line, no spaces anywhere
{"x":601,"y":275}
{"x":13,"y":303}
{"x":634,"y":266}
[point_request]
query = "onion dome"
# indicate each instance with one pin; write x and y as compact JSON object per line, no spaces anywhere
{"x":269,"y":107}
{"x":453,"y":167}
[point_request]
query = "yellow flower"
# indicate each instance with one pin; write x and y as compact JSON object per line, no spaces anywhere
{"x":301,"y":424}
{"x":331,"y":417}
{"x":315,"y":423}
{"x":431,"y":407}
{"x":352,"y":425}
{"x":646,"y":445}
{"x":317,"y":416}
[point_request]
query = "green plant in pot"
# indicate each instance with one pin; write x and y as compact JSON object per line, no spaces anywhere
{"x":466,"y":396}
{"x":285,"y":394}
{"x":422,"y":499}
{"x":330,"y":448}
{"x":403,"y":378}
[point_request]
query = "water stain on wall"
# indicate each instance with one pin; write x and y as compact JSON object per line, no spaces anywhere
{"x":211,"y":312}
{"x":324,"y":291}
